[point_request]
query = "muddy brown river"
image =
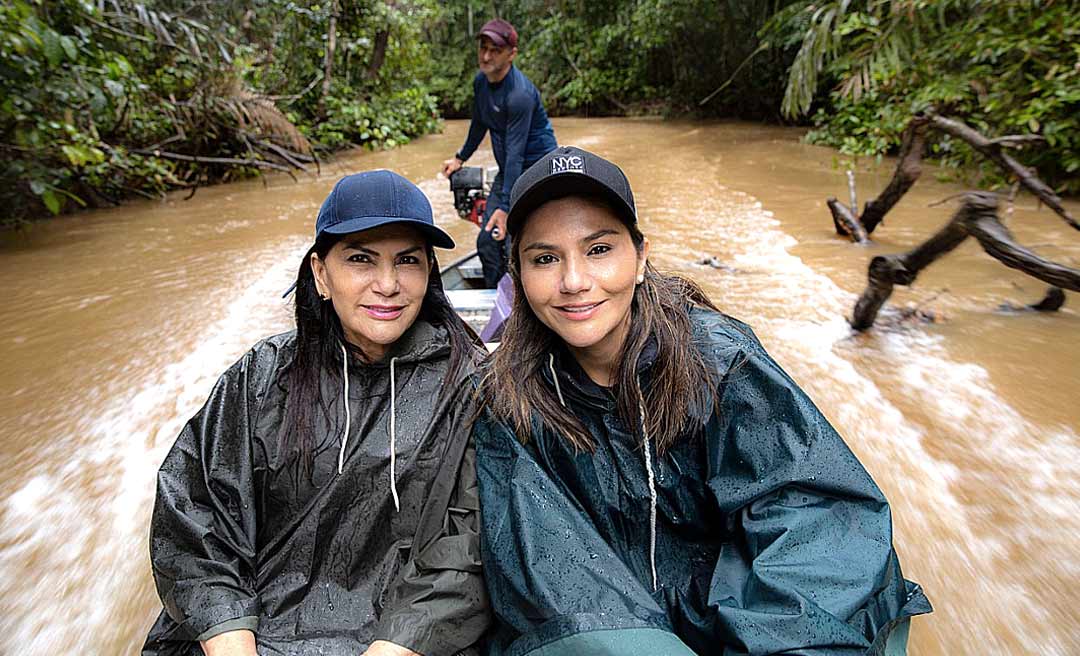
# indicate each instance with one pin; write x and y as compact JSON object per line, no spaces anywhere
{"x":116,"y":323}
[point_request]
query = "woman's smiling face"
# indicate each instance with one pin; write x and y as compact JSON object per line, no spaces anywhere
{"x":376,"y":280}
{"x":579,"y":269}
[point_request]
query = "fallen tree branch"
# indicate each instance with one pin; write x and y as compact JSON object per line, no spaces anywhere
{"x":909,"y":169}
{"x":845,"y":222}
{"x":229,"y":161}
{"x":977,"y":217}
{"x":993,"y":150}
{"x":888,"y":270}
{"x":293,"y":158}
{"x":998,"y":242}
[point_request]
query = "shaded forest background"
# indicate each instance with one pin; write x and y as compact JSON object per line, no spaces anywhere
{"x":104,"y":100}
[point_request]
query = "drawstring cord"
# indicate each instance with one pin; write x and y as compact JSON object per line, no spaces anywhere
{"x":393,"y":437}
{"x":648,"y":468}
{"x":393,"y":423}
{"x":345,"y":398}
{"x":652,"y":493}
{"x":555,"y":377}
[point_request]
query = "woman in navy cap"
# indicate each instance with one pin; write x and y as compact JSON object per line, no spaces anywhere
{"x":323,"y":501}
{"x":651,"y":481}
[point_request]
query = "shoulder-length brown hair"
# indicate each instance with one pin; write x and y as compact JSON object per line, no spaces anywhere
{"x":681,"y":384}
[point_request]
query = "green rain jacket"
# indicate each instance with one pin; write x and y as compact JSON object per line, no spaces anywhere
{"x":769,"y":536}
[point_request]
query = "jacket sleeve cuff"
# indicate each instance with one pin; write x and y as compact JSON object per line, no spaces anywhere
{"x":249,"y":623}
{"x":208,"y":618}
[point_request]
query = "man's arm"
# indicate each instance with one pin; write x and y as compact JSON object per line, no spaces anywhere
{"x":477,"y":129}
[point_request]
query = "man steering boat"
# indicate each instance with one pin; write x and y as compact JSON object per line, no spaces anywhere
{"x":507,"y":105}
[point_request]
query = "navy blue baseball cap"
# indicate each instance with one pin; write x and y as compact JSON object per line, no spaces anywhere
{"x":367,"y":200}
{"x":569,"y":171}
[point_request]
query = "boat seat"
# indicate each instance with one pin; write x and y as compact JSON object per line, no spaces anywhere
{"x":472,"y":300}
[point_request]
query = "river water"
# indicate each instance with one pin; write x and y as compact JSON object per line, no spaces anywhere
{"x":117,"y":322}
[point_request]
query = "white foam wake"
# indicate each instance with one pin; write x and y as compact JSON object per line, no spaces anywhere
{"x":799,"y":314}
{"x":80,"y":530}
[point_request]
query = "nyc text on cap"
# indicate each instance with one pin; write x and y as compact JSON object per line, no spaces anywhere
{"x":569,"y":171}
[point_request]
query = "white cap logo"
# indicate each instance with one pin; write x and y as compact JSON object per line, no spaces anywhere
{"x":568,"y":164}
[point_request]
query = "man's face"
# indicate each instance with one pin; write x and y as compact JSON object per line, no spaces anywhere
{"x":494,"y":62}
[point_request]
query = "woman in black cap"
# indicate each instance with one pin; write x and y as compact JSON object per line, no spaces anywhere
{"x":323,"y":501}
{"x":651,"y":481}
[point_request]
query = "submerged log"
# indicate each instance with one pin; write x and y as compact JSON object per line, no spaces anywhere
{"x":889,"y":270}
{"x":1052,"y":302}
{"x":845,"y":222}
{"x":977,"y":217}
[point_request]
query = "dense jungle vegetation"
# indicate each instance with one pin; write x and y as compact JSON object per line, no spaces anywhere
{"x":108,"y":99}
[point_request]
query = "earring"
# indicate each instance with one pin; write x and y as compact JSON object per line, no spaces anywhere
{"x":325,"y":297}
{"x":641,"y":279}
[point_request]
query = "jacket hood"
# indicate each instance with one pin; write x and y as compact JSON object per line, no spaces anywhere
{"x":573,"y":383}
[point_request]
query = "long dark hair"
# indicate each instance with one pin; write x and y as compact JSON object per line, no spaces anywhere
{"x":319,"y":337}
{"x":681,"y":383}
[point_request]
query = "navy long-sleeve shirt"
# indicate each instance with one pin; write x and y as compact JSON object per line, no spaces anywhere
{"x":521,"y":133}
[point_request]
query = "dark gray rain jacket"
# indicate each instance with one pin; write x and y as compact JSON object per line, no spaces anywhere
{"x":328,"y":565}
{"x":769,"y":536}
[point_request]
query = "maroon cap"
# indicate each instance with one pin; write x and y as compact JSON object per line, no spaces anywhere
{"x":500,"y":32}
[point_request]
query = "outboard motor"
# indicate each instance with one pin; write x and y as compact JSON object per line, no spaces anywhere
{"x":469,"y":184}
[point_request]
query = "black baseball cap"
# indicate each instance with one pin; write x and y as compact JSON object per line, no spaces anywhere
{"x":569,"y":171}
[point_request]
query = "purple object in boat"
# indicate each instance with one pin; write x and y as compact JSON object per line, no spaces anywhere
{"x":500,"y":311}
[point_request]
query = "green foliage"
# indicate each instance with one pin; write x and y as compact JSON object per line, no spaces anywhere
{"x":1004,"y":68}
{"x":621,"y":56}
{"x":106,"y":100}
{"x":385,"y":122}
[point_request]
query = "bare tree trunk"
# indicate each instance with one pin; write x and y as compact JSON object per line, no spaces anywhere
{"x":328,"y":63}
{"x":378,"y":55}
{"x":908,"y":170}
